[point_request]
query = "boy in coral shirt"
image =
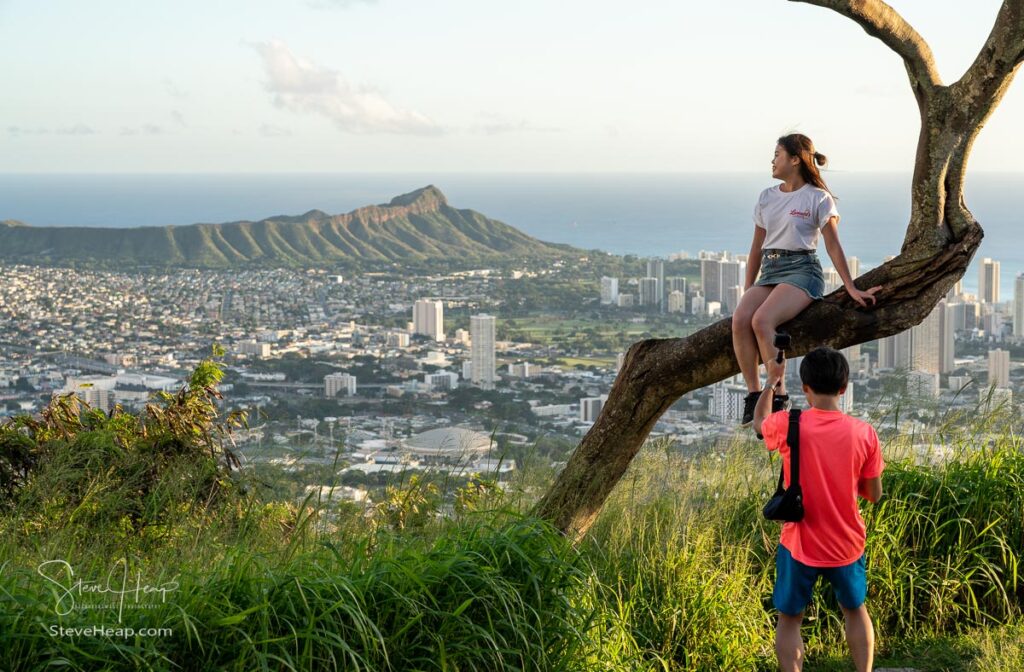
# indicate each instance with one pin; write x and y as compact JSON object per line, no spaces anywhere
{"x":840,"y":458}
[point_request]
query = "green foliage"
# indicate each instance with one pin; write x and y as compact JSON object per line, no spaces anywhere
{"x":79,"y":468}
{"x":410,"y":505}
{"x":676,"y":574}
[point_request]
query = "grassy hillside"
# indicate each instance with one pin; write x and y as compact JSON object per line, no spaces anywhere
{"x":415,"y":226}
{"x":675,"y":575}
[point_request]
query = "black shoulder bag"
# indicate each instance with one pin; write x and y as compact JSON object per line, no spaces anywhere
{"x":788,"y":504}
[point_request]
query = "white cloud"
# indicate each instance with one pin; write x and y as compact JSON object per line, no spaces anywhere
{"x":179,"y":118}
{"x":300,"y":86}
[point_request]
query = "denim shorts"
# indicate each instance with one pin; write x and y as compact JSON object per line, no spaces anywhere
{"x":799,"y":270}
{"x":794,"y":582}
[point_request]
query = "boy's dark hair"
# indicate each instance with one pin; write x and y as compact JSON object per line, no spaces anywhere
{"x":825,"y":370}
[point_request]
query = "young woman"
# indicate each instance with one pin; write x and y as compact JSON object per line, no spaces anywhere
{"x":787,"y":220}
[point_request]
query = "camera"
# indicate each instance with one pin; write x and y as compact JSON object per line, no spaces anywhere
{"x":781,"y":341}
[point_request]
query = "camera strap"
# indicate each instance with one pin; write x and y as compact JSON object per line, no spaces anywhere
{"x":793,"y":440}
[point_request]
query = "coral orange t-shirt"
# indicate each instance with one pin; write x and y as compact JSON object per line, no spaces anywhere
{"x":836,"y":451}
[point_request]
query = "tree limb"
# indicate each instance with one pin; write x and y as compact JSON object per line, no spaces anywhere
{"x":983,"y":85}
{"x":883,"y":22}
{"x":656,"y":372}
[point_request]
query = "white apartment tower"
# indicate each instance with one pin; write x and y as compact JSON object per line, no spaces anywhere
{"x":428,"y":318}
{"x":481,"y":351}
{"x":1018,"y":306}
{"x":988,"y":281}
{"x":609,"y":291}
{"x":336,"y":383}
{"x":998,"y":368}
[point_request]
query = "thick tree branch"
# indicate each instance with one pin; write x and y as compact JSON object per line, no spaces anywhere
{"x":942,"y":237}
{"x":882,"y":21}
{"x":983,"y":85}
{"x":656,"y":372}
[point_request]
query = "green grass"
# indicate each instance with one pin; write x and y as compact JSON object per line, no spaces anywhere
{"x":676,"y":574}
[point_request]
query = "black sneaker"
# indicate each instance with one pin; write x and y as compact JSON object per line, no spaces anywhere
{"x":749,"y":402}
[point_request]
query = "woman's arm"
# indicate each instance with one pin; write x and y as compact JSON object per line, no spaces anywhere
{"x":754,"y":260}
{"x":830,"y":232}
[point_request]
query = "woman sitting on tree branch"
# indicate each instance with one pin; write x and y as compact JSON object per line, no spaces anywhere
{"x":787,"y":219}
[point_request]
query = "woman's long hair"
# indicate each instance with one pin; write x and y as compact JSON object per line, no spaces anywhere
{"x":800,"y":146}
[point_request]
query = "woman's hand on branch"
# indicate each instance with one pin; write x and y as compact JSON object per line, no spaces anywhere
{"x":862,"y":297}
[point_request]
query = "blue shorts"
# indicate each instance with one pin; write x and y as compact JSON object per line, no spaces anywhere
{"x":802,"y":270}
{"x":794,"y":582}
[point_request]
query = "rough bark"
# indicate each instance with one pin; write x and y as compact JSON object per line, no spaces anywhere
{"x":942,"y":237}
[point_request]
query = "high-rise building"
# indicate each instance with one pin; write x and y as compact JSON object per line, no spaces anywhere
{"x":832,"y":280}
{"x":947,"y":338}
{"x":924,"y":343}
{"x":428,"y":318}
{"x":922,"y":384}
{"x":726,"y":404}
{"x":894,"y":351}
{"x":397,"y":339}
{"x":846,"y":399}
{"x":609,"y":291}
{"x":442,"y":380}
{"x":965,"y":314}
{"x":992,"y":319}
{"x":711,"y":279}
{"x":648,"y":291}
{"x":926,"y":347}
{"x":853,"y":263}
{"x":677,"y":284}
{"x":955,"y":291}
{"x":676,"y":302}
{"x":998,"y":368}
{"x":697,"y":304}
{"x":481,"y":351}
{"x":590,"y":407}
{"x":988,"y":281}
{"x":998,"y":398}
{"x":732,"y":273}
{"x":522,"y":369}
{"x":626,"y":300}
{"x":335,"y":383}
{"x":1018,"y":305}
{"x":656,"y":270}
{"x":732,"y":298}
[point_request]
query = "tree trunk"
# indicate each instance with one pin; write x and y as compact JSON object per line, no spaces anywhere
{"x":942,"y":237}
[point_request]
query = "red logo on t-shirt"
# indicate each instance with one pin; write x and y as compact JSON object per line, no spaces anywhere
{"x":800,"y":213}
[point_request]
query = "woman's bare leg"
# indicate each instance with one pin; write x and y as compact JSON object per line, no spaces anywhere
{"x":744,"y":342}
{"x":783,"y":304}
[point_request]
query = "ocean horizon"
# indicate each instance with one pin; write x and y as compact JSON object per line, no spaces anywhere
{"x":646,"y":214}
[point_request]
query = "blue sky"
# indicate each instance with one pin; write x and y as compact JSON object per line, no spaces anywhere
{"x":460,"y":85}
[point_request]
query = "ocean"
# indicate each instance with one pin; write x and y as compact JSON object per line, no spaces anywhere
{"x":643,"y":214}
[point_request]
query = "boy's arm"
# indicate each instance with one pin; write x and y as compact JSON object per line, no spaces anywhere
{"x":764,"y":402}
{"x":870,"y":488}
{"x":763,"y":408}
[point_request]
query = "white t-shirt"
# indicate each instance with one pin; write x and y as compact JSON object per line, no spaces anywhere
{"x":793,"y":219}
